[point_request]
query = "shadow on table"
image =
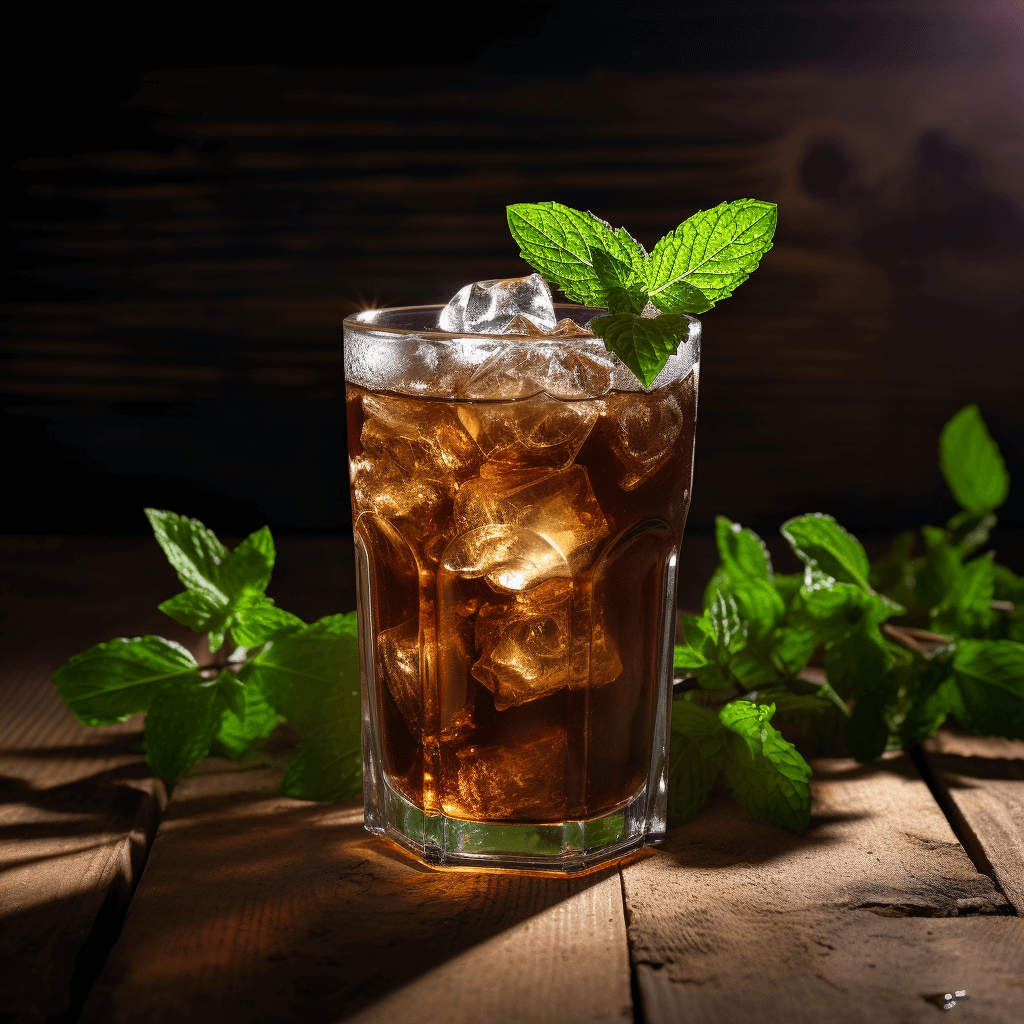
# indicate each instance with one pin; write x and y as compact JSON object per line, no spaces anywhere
{"x":259,"y":906}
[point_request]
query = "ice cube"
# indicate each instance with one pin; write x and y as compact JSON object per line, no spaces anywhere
{"x":535,"y":432}
{"x":560,"y":508}
{"x":511,"y":559}
{"x":488,"y":307}
{"x":524,"y":777}
{"x":525,"y":644}
{"x":421,"y":436}
{"x":641,"y":432}
{"x":565,"y":328}
{"x":399,"y":652}
{"x":414,"y":455}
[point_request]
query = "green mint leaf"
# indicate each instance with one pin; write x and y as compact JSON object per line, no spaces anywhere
{"x":643,"y":344}
{"x":624,"y":292}
{"x":698,"y":637}
{"x":966,"y":608}
{"x":193,"y":550}
{"x":768,"y":777}
{"x":1008,"y":585}
{"x":714,"y":251}
{"x":990,"y":677}
{"x":936,"y":698}
{"x":237,"y":734}
{"x":557,"y":241}
{"x":311,"y":677}
{"x":741,"y":550}
{"x":892,"y":569}
{"x":792,"y":647}
{"x":221,"y":588}
{"x":180,"y":725}
{"x":681,"y":297}
{"x":695,"y":760}
{"x":967,"y":531}
{"x":112,"y":681}
{"x":195,"y":610}
{"x":724,"y":618}
{"x":856,"y":663}
{"x":867,"y":732}
{"x":249,"y":566}
{"x":788,"y":585}
{"x":821,"y":543}
{"x":941,"y":570}
{"x":232,"y":693}
{"x":819,"y":715}
{"x":971,"y":462}
{"x":259,"y":619}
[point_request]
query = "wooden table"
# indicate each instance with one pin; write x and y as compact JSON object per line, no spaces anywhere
{"x":230,"y":902}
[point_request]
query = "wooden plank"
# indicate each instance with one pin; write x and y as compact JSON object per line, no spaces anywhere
{"x":77,"y":815}
{"x":861,"y":919}
{"x":980,"y":780}
{"x":255,"y":905}
{"x":77,"y":807}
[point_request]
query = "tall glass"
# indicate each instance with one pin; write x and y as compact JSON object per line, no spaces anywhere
{"x":518,"y":505}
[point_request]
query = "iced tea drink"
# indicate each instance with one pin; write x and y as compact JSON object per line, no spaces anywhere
{"x":518,"y":505}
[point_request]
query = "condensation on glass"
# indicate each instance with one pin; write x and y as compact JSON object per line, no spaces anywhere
{"x":518,"y":505}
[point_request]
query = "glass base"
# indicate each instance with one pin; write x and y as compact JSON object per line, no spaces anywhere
{"x":564,"y":847}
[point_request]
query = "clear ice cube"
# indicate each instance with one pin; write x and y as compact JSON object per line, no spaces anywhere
{"x":535,"y":432}
{"x":560,"y":508}
{"x":641,"y":431}
{"x":488,"y":307}
{"x":525,"y":644}
{"x":399,"y":650}
{"x":415,"y":454}
{"x":522,"y":777}
{"x":510,"y":558}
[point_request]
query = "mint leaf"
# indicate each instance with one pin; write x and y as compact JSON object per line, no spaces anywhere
{"x":311,"y":677}
{"x":237,"y":734}
{"x":941,"y":569}
{"x":112,"y":681}
{"x":221,"y":584}
{"x":821,"y":543}
{"x":180,"y":725}
{"x":193,"y":550}
{"x":818,"y":715}
{"x":768,"y":777}
{"x":557,"y":241}
{"x":681,"y":297}
{"x":971,"y":462}
{"x":990,"y":677}
{"x":643,"y":344}
{"x":742,"y":550}
{"x":695,"y":761}
{"x":966,"y":608}
{"x":714,"y":251}
{"x":624,"y":292}
{"x":257,"y":620}
{"x":967,"y":531}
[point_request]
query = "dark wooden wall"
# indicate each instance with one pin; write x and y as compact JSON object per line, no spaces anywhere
{"x":187,"y":242}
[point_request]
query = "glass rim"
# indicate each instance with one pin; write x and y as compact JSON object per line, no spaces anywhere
{"x":365,"y":319}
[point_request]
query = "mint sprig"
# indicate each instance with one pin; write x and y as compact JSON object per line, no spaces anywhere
{"x":690,"y":269}
{"x":904,"y":643}
{"x":279,"y":668}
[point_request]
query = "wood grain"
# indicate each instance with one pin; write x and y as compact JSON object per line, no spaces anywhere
{"x":981,"y":781}
{"x":861,"y":919}
{"x":258,"y":906}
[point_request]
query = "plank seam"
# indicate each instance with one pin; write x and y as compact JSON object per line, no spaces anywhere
{"x":961,"y":827}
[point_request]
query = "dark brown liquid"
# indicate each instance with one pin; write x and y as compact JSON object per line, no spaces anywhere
{"x":521,"y":559}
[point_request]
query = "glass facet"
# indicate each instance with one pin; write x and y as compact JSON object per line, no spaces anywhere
{"x":518,"y":505}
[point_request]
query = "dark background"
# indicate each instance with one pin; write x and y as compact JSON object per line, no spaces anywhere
{"x":194,"y":214}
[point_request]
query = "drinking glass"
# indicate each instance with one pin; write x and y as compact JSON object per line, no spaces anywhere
{"x":518,"y":504}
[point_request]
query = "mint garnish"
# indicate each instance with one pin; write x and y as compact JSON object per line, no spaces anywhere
{"x":691,"y":268}
{"x":279,"y":668}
